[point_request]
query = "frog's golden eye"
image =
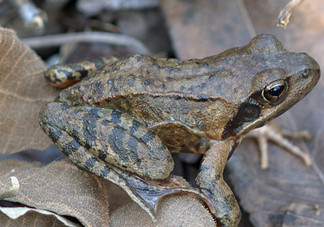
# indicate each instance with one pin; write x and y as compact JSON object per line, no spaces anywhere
{"x":275,"y":92}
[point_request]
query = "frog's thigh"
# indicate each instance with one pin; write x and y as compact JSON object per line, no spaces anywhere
{"x":108,"y":136}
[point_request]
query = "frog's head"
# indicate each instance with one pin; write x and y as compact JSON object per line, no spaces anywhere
{"x":280,"y":79}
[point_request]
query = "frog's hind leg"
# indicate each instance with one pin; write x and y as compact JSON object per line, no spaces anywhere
{"x":103,"y":142}
{"x":64,"y":75}
{"x":83,"y":159}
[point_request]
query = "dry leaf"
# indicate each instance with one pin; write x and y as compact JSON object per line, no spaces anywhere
{"x":202,"y":28}
{"x":60,"y":187}
{"x":303,"y":215}
{"x":24,"y":216}
{"x":117,"y":196}
{"x":173,"y":211}
{"x":23,"y":91}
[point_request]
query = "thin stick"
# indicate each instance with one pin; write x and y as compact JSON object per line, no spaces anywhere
{"x":92,"y":37}
{"x":285,"y":13}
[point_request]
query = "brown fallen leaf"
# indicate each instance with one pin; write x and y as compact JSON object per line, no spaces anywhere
{"x":23,"y":91}
{"x":297,"y":214}
{"x":59,"y":187}
{"x":173,"y":211}
{"x":24,"y":216}
{"x":203,"y":28}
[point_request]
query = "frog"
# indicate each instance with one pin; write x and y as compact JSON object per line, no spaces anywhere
{"x":122,"y":121}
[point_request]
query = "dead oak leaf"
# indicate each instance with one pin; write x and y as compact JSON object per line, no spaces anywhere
{"x":59,"y":187}
{"x":173,"y":211}
{"x":23,"y":91}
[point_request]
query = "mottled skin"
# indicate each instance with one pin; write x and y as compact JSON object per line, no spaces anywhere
{"x":122,"y":122}
{"x":63,"y":76}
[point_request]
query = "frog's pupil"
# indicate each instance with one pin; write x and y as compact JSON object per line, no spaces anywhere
{"x":276,"y":91}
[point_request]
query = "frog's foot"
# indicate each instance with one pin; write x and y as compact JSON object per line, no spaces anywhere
{"x":267,"y":132}
{"x":148,"y":193}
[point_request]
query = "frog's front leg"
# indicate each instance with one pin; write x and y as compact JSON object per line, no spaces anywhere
{"x":115,"y":146}
{"x":211,"y":182}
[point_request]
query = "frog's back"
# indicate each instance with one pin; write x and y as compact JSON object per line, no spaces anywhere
{"x":141,"y":75}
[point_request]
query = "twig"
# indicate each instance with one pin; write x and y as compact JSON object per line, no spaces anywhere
{"x":94,"y":7}
{"x":285,"y":13}
{"x":92,"y":37}
{"x":32,"y":17}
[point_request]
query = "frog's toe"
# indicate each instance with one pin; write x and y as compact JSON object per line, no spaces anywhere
{"x":266,"y":133}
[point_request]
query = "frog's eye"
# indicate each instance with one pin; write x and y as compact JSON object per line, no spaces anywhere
{"x":275,"y":92}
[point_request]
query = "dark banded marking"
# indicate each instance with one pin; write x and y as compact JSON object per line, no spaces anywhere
{"x":132,"y":146}
{"x":104,"y":172}
{"x":115,"y":116}
{"x":54,"y":134}
{"x":148,"y":137}
{"x":78,"y":70}
{"x":103,"y":155}
{"x":90,"y":163}
{"x":89,"y":123}
{"x":70,"y":147}
{"x":122,"y":120}
{"x":61,"y":73}
{"x":135,"y":126}
{"x":116,"y":143}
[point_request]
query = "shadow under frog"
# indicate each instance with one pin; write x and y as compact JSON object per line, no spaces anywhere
{"x":122,"y":121}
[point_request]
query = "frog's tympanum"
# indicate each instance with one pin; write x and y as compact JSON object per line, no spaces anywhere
{"x":122,"y":121}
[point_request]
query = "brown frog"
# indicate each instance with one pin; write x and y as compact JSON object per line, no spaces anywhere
{"x":123,"y":120}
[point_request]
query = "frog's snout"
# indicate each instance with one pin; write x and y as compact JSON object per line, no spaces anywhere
{"x":311,"y":68}
{"x":310,"y":62}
